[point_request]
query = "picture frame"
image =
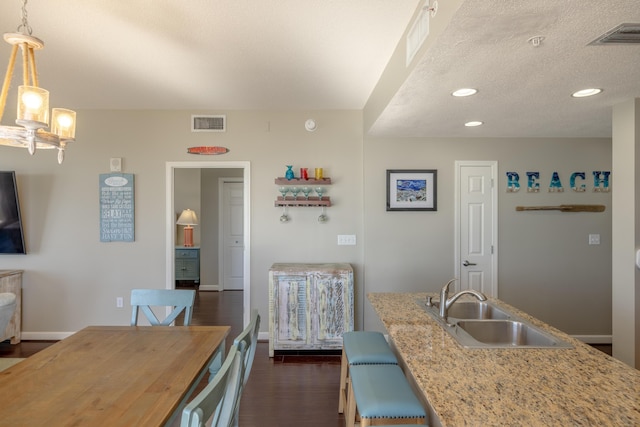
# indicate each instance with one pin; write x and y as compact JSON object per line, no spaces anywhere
{"x":412,"y":190}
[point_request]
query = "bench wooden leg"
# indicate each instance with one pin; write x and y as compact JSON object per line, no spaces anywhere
{"x":350,"y":416}
{"x":344,"y":369}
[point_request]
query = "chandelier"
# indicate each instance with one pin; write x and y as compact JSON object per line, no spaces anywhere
{"x":32,"y":115}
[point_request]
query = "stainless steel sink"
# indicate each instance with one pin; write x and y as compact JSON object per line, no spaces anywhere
{"x":505,"y":333}
{"x":482,"y":324}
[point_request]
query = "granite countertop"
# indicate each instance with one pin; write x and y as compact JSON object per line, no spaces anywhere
{"x":578,"y":386}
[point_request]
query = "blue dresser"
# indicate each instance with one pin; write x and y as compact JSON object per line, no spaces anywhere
{"x":188,"y":263}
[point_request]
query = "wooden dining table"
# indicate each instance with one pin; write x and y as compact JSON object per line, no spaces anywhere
{"x":109,"y":376}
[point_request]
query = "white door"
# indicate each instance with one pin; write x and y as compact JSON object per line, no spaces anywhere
{"x":232,"y":205}
{"x":476,"y":226}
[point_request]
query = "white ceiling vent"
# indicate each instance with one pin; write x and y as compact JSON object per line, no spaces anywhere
{"x":417,"y":34}
{"x":622,"y":34}
{"x":201,"y":123}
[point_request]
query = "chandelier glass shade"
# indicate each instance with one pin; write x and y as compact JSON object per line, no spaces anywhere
{"x":34,"y":130}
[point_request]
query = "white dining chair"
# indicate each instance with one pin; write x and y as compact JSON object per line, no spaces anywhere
{"x":218,"y":400}
{"x":179,"y":299}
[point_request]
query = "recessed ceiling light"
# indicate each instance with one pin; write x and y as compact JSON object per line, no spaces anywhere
{"x":473,"y":124}
{"x":464,"y":92}
{"x":586,"y":92}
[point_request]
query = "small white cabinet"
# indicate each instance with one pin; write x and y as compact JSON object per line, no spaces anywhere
{"x":310,"y":306}
{"x":11,"y":281}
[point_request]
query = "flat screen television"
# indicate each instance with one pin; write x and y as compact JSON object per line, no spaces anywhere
{"x":11,"y":236}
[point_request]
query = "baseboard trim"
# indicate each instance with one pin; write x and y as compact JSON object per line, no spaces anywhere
{"x":594,"y":339}
{"x":209,"y":288}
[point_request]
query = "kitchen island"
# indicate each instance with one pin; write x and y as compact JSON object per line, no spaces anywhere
{"x":578,"y":386}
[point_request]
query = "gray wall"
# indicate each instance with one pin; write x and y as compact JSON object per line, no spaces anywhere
{"x":546,"y":266}
{"x":72,"y":280}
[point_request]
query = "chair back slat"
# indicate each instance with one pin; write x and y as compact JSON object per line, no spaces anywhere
{"x":249,"y":339}
{"x":218,"y":400}
{"x":180,"y":299}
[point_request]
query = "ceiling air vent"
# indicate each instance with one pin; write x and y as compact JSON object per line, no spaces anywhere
{"x":622,"y":34}
{"x":208,"y":123}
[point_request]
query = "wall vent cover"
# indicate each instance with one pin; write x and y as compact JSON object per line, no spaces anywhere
{"x":200,"y":123}
{"x":622,"y":34}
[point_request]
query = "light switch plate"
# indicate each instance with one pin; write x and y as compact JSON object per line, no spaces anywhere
{"x":346,"y":239}
{"x":594,"y":239}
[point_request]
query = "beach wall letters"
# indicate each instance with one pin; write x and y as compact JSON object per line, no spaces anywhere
{"x":577,"y":182}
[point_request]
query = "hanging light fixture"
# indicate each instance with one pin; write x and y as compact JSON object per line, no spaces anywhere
{"x":32,"y":115}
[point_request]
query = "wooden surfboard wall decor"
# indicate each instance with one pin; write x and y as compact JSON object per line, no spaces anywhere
{"x":564,"y":208}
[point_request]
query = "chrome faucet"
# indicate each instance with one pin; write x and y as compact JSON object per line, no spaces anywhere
{"x":446,"y":302}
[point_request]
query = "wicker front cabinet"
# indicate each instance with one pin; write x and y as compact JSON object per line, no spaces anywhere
{"x":310,"y":306}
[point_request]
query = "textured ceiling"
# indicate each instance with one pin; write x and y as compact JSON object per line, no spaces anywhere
{"x":523,"y":90}
{"x":329,"y":54}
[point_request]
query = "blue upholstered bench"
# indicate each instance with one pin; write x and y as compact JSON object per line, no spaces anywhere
{"x":362,"y":348}
{"x":381,"y":394}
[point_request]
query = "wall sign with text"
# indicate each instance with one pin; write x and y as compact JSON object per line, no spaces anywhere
{"x":577,"y":182}
{"x":117,"y":213}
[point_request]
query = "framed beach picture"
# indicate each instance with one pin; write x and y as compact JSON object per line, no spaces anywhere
{"x":412,"y":190}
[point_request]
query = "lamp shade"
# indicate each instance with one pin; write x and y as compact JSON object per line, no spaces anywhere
{"x":187,"y":217}
{"x":63,"y":123}
{"x":33,"y":105}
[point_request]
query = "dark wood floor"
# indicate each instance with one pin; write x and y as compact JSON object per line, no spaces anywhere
{"x":284,"y":391}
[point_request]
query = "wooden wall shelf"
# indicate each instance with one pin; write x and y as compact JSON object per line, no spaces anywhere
{"x":298,"y":181}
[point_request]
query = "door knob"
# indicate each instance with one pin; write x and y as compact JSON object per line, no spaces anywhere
{"x":467,"y":263}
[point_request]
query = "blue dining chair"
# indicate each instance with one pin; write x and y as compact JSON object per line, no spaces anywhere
{"x":218,"y":400}
{"x":249,"y":339}
{"x":180,"y":299}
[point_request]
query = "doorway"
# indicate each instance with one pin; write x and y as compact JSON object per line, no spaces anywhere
{"x":171,"y":168}
{"x":476,"y":226}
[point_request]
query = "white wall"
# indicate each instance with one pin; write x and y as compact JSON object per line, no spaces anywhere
{"x":626,"y":233}
{"x":546,"y":266}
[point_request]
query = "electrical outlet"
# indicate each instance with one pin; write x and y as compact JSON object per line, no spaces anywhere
{"x":346,"y":239}
{"x":594,"y":239}
{"x":119,"y":302}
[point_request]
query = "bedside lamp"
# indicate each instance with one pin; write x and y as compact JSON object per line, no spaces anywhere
{"x":188,"y":218}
